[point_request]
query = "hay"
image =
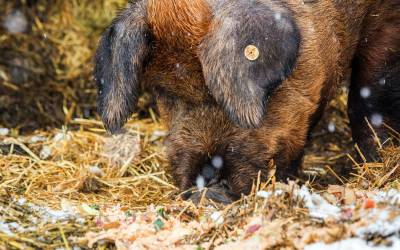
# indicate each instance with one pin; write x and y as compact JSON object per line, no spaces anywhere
{"x":78,"y":167}
{"x":45,"y":73}
{"x":73,"y":171}
{"x":60,"y":173}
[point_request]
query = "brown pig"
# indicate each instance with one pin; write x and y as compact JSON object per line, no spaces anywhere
{"x":242,"y":82}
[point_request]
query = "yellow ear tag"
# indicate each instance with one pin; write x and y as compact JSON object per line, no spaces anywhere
{"x":251,"y":52}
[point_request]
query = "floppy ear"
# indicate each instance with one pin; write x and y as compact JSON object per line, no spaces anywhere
{"x":248,"y":52}
{"x":119,"y":63}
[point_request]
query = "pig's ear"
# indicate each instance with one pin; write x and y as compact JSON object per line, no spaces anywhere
{"x":248,"y":52}
{"x":119,"y":64}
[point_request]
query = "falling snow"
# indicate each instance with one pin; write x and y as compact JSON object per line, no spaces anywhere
{"x":376,"y":120}
{"x":331,"y":127}
{"x":16,"y":22}
{"x":278,"y":16}
{"x":365,"y":92}
{"x":200,"y":182}
{"x":217,"y":162}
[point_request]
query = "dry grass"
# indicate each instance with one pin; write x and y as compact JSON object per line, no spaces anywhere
{"x":45,"y":73}
{"x":67,"y":172}
{"x":53,"y":159}
{"x":80,"y":167}
{"x":62,"y":168}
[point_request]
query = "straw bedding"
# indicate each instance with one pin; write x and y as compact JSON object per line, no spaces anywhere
{"x":66,"y":184}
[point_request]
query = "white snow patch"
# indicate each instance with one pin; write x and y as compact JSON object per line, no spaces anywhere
{"x":392,"y":197}
{"x":352,"y":244}
{"x":381,"y":223}
{"x":318,"y":207}
{"x":96,"y":171}
{"x":16,"y":227}
{"x":21,"y":201}
{"x":217,"y":217}
{"x":40,"y":215}
{"x":4,"y":131}
{"x":45,"y":153}
{"x":61,"y":136}
{"x":37,"y":138}
{"x":263,"y":194}
{"x":5,"y":228}
{"x":266,"y":194}
{"x":48,"y":215}
{"x":381,"y":226}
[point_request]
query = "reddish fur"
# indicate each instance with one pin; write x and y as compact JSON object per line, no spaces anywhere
{"x":330,"y":35}
{"x":178,"y":22}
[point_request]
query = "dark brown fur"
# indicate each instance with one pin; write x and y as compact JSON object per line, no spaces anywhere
{"x":376,"y":67}
{"x":216,"y":102}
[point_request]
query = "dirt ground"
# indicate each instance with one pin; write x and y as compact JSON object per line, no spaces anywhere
{"x":66,"y":184}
